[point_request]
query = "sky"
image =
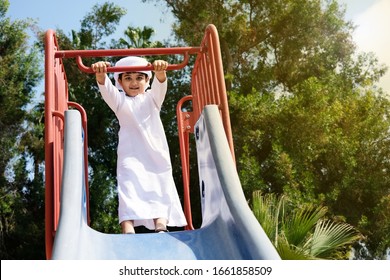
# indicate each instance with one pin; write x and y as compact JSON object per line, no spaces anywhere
{"x":372,"y":18}
{"x":67,"y":14}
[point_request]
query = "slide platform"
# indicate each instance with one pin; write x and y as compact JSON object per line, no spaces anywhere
{"x":229,"y":229}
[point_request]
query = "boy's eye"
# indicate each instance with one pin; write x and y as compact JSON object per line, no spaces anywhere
{"x":137,"y":78}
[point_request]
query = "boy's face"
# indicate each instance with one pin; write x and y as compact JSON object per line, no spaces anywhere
{"x":133,"y":83}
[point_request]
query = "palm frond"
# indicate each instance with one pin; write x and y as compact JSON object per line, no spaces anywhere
{"x":287,"y":251}
{"x":301,"y":233}
{"x":297,"y":226}
{"x":266,"y":209}
{"x":329,"y":236}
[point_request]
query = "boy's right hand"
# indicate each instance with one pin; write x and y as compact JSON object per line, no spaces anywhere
{"x":100,"y":69}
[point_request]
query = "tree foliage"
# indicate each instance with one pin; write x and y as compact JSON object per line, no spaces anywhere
{"x":99,"y":23}
{"x":138,"y":38}
{"x":21,"y":146}
{"x":308,"y":119}
{"x":267,"y":43}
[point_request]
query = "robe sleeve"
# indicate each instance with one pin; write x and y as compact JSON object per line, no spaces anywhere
{"x":111,"y":94}
{"x":158,"y":92}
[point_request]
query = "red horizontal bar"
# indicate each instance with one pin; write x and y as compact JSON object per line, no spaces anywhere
{"x":86,"y":69}
{"x":127,"y":52}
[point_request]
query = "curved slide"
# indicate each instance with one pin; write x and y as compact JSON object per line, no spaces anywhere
{"x":229,"y":230}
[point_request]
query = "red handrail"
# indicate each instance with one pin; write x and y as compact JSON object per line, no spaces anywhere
{"x":208,"y":82}
{"x":207,"y":87}
{"x":86,"y":69}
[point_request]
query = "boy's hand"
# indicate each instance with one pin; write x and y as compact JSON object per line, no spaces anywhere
{"x":159,"y":67}
{"x":100,"y":69}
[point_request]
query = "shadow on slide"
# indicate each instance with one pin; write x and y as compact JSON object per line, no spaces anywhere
{"x":229,"y":229}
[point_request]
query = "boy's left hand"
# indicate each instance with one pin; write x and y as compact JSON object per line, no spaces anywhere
{"x":159,"y":67}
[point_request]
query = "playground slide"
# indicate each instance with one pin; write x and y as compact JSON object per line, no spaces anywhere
{"x":228,"y":231}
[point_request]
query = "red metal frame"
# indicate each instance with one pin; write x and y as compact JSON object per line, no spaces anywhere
{"x":208,"y":87}
{"x":56,"y":102}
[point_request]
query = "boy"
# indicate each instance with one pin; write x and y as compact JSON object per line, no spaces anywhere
{"x":146,"y":189}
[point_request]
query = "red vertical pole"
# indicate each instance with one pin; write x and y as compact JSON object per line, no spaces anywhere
{"x":49,"y":89}
{"x":184,"y":123}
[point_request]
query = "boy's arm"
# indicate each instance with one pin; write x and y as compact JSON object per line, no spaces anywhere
{"x":159,"y":67}
{"x":109,"y":93}
{"x":100,"y":69}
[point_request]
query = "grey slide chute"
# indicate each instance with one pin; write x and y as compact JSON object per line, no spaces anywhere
{"x":229,"y":229}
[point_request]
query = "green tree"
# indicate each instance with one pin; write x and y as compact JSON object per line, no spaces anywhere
{"x":21,"y":186}
{"x":267,"y":44}
{"x":303,"y":232}
{"x":135,"y":37}
{"x":308,"y":119}
{"x":100,"y":23}
{"x":324,"y":149}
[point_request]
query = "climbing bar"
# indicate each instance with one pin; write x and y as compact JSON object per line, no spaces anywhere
{"x":126,"y":52}
{"x":86,"y":69}
{"x":79,"y":54}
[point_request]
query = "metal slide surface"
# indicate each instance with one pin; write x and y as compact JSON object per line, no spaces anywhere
{"x":229,"y":230}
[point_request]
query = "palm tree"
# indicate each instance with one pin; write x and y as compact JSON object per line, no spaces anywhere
{"x":139,"y":38}
{"x":302,"y":233}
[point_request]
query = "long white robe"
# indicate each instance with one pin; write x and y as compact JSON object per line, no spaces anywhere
{"x":146,"y":188}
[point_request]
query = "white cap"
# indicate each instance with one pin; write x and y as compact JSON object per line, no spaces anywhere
{"x":131,"y":61}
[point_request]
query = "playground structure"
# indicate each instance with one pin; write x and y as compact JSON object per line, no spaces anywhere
{"x":229,"y":229}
